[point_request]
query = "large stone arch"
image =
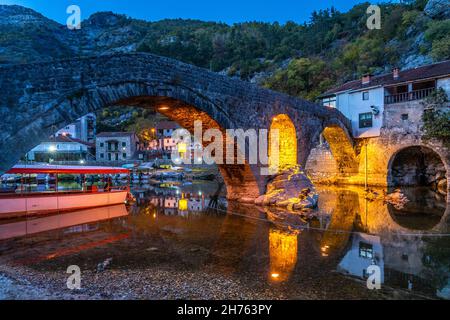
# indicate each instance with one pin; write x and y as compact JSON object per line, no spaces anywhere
{"x":38,"y":97}
{"x":425,"y":149}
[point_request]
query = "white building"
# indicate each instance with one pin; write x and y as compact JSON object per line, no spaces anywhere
{"x":61,"y":148}
{"x":83,"y":129}
{"x":116,"y":146}
{"x":366,"y":250}
{"x":364,"y":101}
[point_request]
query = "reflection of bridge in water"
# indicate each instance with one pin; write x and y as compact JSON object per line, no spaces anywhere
{"x":348,"y":234}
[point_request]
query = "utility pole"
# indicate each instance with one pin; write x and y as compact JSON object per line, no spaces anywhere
{"x":365,"y":166}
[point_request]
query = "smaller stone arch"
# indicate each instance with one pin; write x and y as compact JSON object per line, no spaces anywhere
{"x":333,"y":151}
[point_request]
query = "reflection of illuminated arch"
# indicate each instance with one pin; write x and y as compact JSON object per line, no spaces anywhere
{"x":287,"y":155}
{"x":283,"y":254}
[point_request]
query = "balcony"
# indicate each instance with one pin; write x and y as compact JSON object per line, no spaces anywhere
{"x":408,"y":96}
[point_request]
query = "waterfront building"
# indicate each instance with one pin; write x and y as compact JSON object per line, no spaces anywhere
{"x":61,"y":148}
{"x":116,"y":146}
{"x":83,"y":128}
{"x":391,"y":99}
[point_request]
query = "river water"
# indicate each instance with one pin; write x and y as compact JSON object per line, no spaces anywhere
{"x":178,"y":242}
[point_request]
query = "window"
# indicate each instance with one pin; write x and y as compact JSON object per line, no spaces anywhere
{"x":365,"y":120}
{"x":124,"y":155}
{"x":102,"y":144}
{"x":102,"y":155}
{"x":329,"y":102}
{"x":404,"y":116}
{"x":365,"y":250}
{"x":124,"y":144}
{"x":365,"y":95}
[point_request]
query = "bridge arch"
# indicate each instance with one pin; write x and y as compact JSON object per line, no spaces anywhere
{"x":418,"y":165}
{"x":342,"y":159}
{"x":41,"y":96}
{"x":287,"y":140}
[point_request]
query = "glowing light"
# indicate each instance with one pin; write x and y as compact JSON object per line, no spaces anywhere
{"x":182,"y":148}
{"x":287,"y":154}
{"x":81,"y":161}
{"x":283,"y":253}
{"x":52,"y":148}
{"x":182,"y":204}
{"x":163,"y":108}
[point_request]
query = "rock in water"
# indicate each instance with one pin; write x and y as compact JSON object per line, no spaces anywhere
{"x":103,"y":265}
{"x":291,"y":188}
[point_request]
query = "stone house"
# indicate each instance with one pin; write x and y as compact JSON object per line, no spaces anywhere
{"x":116,"y":146}
{"x":387,"y":100}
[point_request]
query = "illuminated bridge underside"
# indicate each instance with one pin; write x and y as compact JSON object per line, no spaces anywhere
{"x":37,"y":98}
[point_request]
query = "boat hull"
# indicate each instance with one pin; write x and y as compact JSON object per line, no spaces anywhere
{"x":35,"y":204}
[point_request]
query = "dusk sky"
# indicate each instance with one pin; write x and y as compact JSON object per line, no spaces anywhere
{"x":228,"y":11}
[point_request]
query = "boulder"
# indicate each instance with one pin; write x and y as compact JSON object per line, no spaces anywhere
{"x":290,"y":189}
{"x":438,"y":9}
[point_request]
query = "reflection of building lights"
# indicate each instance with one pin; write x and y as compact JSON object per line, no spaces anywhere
{"x":182,"y":147}
{"x":154,"y":215}
{"x":275,"y":275}
{"x":183,"y":204}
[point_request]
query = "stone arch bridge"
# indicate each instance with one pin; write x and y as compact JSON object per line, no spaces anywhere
{"x":37,"y":98}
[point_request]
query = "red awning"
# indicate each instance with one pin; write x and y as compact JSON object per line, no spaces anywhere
{"x":43,"y":169}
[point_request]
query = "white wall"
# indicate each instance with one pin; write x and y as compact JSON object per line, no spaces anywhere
{"x":352,"y":104}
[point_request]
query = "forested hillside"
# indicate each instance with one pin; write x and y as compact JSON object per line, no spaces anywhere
{"x":299,"y":59}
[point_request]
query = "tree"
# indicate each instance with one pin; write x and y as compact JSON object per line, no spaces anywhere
{"x":436,"y":117}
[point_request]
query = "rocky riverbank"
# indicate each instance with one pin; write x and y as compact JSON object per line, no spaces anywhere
{"x":25,"y":283}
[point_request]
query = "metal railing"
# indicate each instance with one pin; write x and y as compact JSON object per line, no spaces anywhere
{"x":408,"y":96}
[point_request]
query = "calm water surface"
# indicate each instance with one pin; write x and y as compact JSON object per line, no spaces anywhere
{"x":345,"y":235}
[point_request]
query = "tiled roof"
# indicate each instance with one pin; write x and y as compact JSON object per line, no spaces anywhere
{"x":436,"y":70}
{"x":115,"y":134}
{"x":63,"y":138}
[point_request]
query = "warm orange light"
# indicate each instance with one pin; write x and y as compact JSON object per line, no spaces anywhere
{"x":182,"y":148}
{"x":163,"y":108}
{"x":283,"y":253}
{"x":182,"y":204}
{"x":287,"y":143}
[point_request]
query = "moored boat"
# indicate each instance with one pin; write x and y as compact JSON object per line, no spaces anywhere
{"x":21,"y":201}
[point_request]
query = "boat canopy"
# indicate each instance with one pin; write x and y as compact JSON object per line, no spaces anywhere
{"x":52,"y":169}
